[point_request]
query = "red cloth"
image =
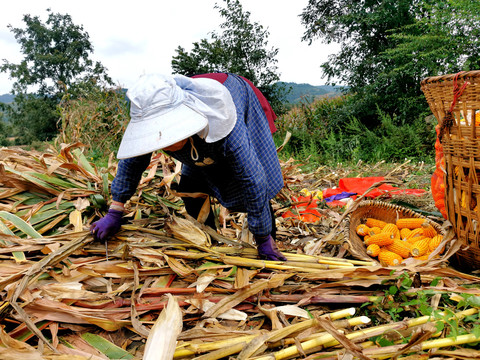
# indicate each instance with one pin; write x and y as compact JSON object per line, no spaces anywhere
{"x":269,"y":113}
{"x":305,"y":210}
{"x":360,"y":185}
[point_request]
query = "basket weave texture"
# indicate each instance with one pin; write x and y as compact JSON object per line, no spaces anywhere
{"x":459,"y":94}
{"x":387,"y":212}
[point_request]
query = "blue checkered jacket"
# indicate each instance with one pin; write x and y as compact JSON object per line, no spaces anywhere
{"x":242,"y":170}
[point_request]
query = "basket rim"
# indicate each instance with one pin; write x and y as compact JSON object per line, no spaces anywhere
{"x":450,"y":77}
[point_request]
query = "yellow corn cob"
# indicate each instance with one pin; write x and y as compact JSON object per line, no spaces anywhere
{"x":404,"y":233}
{"x":410,"y":223}
{"x":433,"y":244}
{"x":372,"y":222}
{"x":362,"y":229}
{"x":463,"y":203}
{"x":400,"y":247}
{"x":429,"y":230}
{"x":392,"y":230}
{"x":423,"y":257}
{"x":420,"y":247}
{"x":414,"y":235}
{"x":373,"y":250}
{"x":374,"y":230}
{"x":389,"y":258}
{"x":381,"y":239}
{"x":414,"y":239}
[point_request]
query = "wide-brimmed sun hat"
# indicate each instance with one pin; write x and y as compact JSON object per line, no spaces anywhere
{"x":160,"y":116}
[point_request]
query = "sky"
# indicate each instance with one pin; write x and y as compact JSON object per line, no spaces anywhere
{"x":131,"y":38}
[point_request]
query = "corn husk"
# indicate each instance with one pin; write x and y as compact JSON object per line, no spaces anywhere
{"x":186,"y":230}
{"x":162,"y":339}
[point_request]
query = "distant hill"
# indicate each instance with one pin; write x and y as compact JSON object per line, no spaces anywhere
{"x":7,"y":98}
{"x":299,"y":91}
{"x":309,"y":92}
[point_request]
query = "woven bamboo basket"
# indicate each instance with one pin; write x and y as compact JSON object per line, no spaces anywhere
{"x":382,"y":211}
{"x":455,"y":101}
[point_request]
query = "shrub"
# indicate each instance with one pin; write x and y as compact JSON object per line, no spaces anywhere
{"x":97,"y":119}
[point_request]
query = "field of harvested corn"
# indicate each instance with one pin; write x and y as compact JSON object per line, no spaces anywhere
{"x":168,"y":287}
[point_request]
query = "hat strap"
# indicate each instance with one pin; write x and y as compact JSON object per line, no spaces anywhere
{"x":193,"y":150}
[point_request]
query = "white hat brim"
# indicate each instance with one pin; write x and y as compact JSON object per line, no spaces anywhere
{"x":158,"y":132}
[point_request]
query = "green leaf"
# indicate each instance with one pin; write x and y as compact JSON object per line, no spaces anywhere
{"x":473,"y":301}
{"x":208,"y":264}
{"x":425,"y":309}
{"x":25,"y":333}
{"x":4,"y":229}
{"x":32,"y":179}
{"x":82,"y":160}
{"x":417,"y":209}
{"x":476,"y":331}
{"x":54,"y":180}
{"x":98,"y":201}
{"x":42,"y":216}
{"x":20,"y":224}
{"x":384,"y":342}
{"x":18,"y":255}
{"x":165,"y":281}
{"x":106,"y":193}
{"x":30,"y":198}
{"x":392,"y":290}
{"x":309,"y":314}
{"x":440,"y":326}
{"x":406,"y":283}
{"x":107,"y":348}
{"x":471,"y":318}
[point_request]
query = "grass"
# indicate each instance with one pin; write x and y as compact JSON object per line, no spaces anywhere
{"x":323,"y":134}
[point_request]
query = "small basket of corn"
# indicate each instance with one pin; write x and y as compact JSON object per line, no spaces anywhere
{"x":393,"y":235}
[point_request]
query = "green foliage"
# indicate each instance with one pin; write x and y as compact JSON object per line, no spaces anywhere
{"x":402,"y":300}
{"x":389,"y":46}
{"x":324,"y":133}
{"x":56,"y":58}
{"x":5,"y":130}
{"x":56,"y":55}
{"x":33,"y":117}
{"x":99,"y":117}
{"x":241,"y":48}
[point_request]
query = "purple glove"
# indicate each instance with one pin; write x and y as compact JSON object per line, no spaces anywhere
{"x":108,"y":225}
{"x":267,"y":249}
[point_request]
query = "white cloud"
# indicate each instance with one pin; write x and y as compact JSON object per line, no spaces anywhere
{"x":132,"y":38}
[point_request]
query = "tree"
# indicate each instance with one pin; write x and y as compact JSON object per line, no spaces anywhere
{"x":389,"y":46}
{"x":56,"y":60}
{"x":241,"y":48}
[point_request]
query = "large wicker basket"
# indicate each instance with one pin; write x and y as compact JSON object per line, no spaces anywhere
{"x":382,"y":211}
{"x":455,"y":101}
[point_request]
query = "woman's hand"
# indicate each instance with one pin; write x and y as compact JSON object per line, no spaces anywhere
{"x":107,"y":226}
